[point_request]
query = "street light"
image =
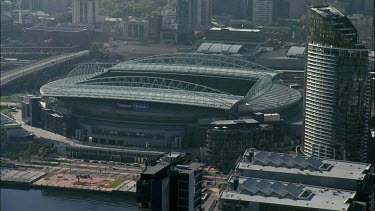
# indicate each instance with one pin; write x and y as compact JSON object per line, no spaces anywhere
{"x":117,"y":135}
{"x":215,"y":177}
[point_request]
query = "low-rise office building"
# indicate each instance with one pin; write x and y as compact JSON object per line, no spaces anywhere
{"x":305,"y":170}
{"x":13,"y":136}
{"x":172,"y":183}
{"x":279,"y":181}
{"x":186,"y":187}
{"x":136,"y":29}
{"x":229,"y":35}
{"x":62,"y":36}
{"x":228,"y":139}
{"x":247,"y":193}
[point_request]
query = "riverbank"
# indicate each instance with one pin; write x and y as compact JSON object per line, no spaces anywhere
{"x":42,"y":180}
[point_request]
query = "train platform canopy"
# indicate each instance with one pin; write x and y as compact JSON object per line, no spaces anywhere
{"x":219,"y":48}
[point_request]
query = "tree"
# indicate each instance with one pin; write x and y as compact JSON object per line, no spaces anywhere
{"x":125,"y":8}
{"x":95,"y":50}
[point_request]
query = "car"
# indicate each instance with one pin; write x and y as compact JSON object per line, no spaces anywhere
{"x":103,"y":162}
{"x":93,"y":161}
{"x":111,"y":162}
{"x":137,"y":165}
{"x":86,"y":161}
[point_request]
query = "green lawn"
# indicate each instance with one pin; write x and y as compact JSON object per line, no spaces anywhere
{"x":5,"y":98}
{"x":49,"y":174}
{"x":115,"y":183}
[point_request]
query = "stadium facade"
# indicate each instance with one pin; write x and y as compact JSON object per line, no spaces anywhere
{"x":161,"y":101}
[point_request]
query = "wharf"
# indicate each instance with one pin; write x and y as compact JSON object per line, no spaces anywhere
{"x":20,"y":176}
{"x":42,"y":180}
{"x":97,"y":184}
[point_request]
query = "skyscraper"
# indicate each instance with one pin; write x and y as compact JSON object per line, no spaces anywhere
{"x":336,"y":106}
{"x":84,"y":11}
{"x":35,"y":5}
{"x":262,"y":11}
{"x":53,"y":6}
{"x":190,"y":15}
{"x":186,"y":13}
{"x":204,"y":8}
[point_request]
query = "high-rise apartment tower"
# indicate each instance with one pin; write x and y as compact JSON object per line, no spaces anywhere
{"x":262,"y":11}
{"x":85,"y":11}
{"x":337,"y":88}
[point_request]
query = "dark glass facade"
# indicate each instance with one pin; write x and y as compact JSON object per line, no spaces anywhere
{"x":336,"y":106}
{"x":226,"y":143}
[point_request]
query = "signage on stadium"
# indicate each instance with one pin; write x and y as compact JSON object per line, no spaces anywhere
{"x":121,"y":105}
{"x":133,"y":106}
{"x":139,"y":107}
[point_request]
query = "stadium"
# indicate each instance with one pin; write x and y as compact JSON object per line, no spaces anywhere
{"x":163,"y":100}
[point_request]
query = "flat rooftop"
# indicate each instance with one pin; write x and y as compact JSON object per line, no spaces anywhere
{"x":20,"y":176}
{"x":234,"y":29}
{"x":328,"y":12}
{"x":151,"y":170}
{"x":284,"y":163}
{"x":234,"y":122}
{"x":289,"y":194}
{"x":188,"y":168}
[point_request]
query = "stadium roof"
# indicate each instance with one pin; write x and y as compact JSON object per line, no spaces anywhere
{"x":6,"y":120}
{"x":196,"y":64}
{"x":89,"y":81}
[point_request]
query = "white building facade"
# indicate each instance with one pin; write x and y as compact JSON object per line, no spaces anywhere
{"x":84,"y":11}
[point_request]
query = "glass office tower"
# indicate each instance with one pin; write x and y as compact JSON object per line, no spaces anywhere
{"x":337,"y":88}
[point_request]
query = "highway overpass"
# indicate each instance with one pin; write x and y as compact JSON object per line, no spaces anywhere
{"x":23,"y":71}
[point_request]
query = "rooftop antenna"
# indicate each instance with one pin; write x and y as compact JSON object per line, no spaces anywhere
{"x":19,"y":2}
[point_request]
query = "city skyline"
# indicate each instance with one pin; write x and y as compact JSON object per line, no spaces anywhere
{"x":187,"y":105}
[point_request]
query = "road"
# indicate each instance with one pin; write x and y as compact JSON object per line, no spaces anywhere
{"x":42,"y":64}
{"x":80,"y":167}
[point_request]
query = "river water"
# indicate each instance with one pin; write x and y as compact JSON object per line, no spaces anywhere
{"x":63,"y":200}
